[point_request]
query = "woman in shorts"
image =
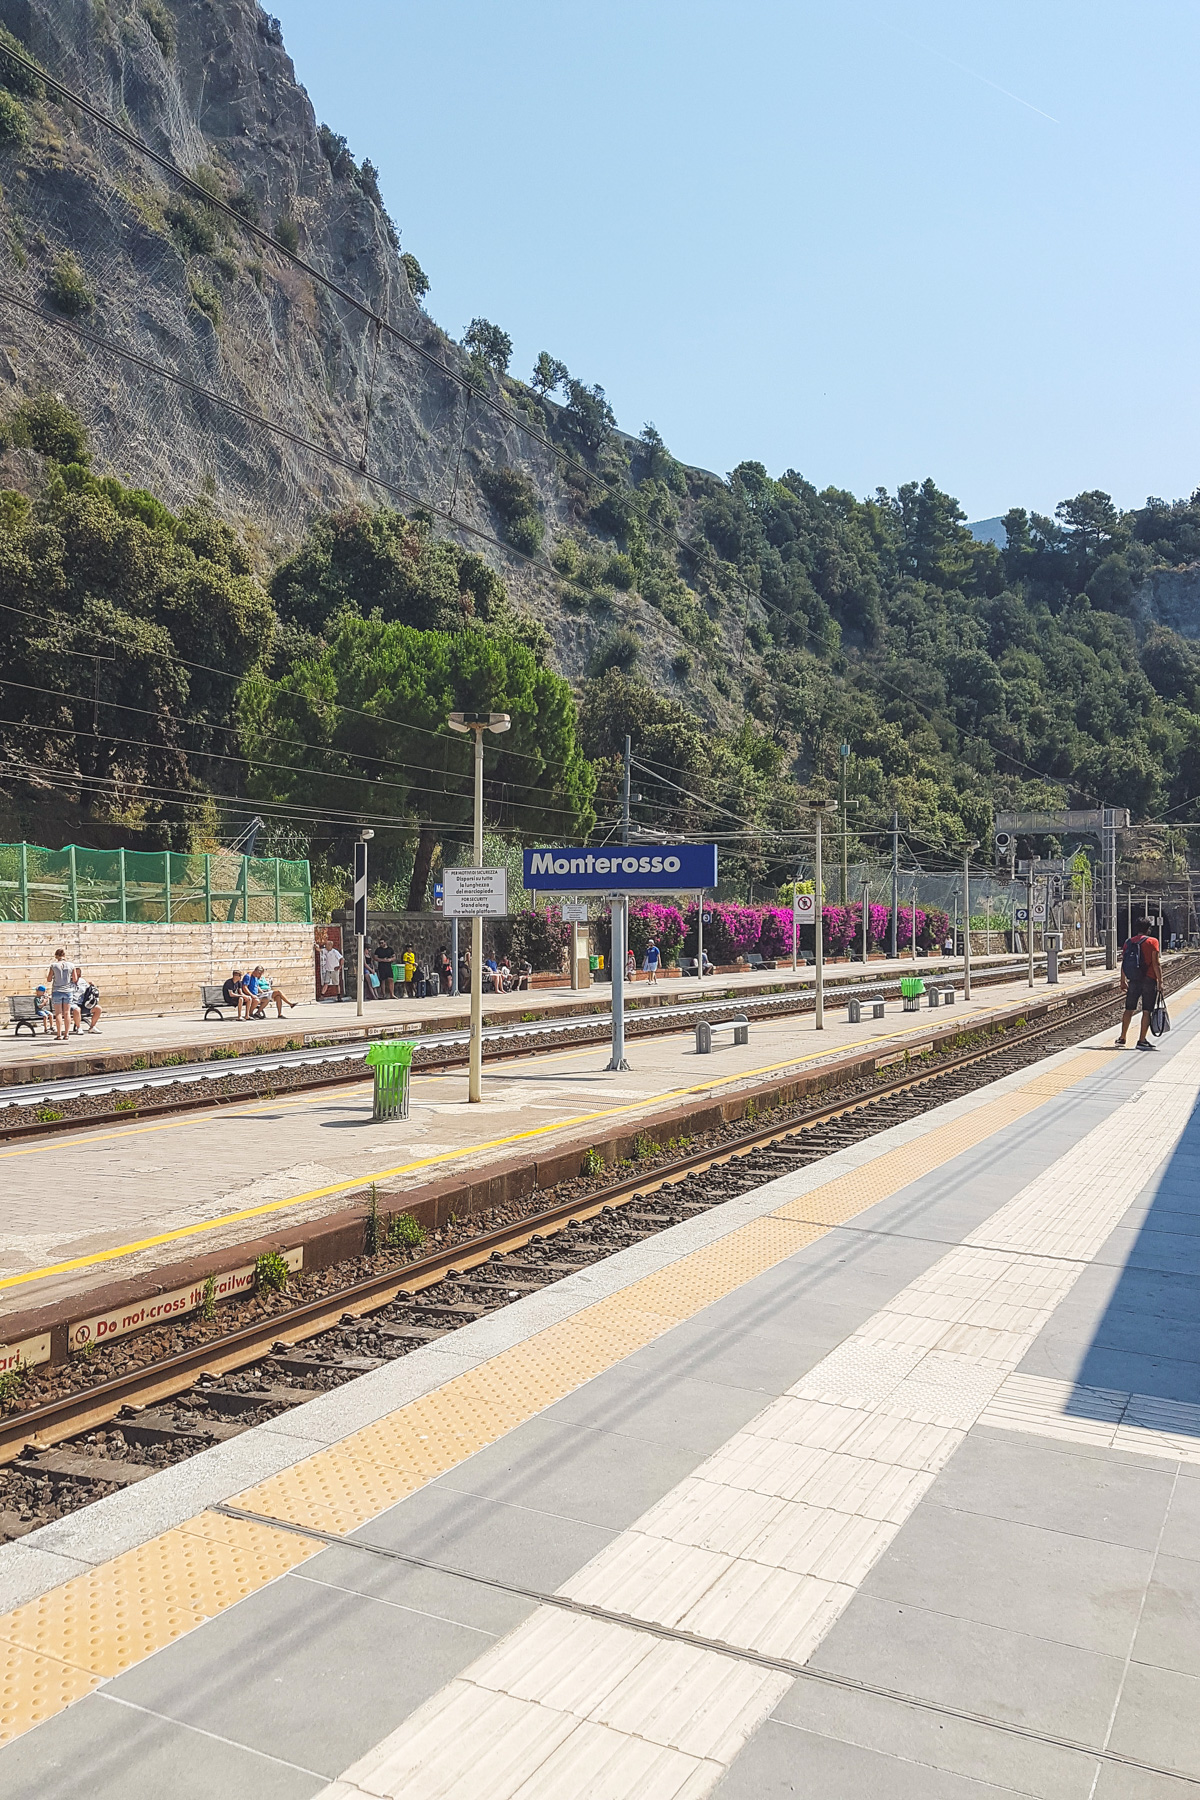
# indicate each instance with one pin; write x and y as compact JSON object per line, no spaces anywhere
{"x":60,"y":978}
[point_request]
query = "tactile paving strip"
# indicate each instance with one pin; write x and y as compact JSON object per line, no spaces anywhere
{"x":102,"y":1622}
{"x":57,"y":1648}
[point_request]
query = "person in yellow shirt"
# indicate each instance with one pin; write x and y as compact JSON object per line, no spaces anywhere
{"x":410,"y":971}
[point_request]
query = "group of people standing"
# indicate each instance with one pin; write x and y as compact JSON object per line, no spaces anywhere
{"x":65,"y":1001}
{"x":387,"y":976}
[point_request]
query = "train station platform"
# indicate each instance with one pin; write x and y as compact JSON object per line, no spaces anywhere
{"x":179,"y":1036}
{"x":882,"y":1479}
{"x":122,"y":1201}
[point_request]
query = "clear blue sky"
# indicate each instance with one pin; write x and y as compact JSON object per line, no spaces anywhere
{"x":819,"y":236}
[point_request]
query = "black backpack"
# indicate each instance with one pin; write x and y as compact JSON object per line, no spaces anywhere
{"x":1131,"y":959}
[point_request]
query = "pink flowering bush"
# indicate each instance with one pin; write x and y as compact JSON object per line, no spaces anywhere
{"x":649,"y":920}
{"x":775,"y":933}
{"x":733,"y":931}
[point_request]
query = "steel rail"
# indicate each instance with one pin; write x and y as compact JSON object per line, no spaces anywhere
{"x":582,"y":1030}
{"x":86,"y":1409}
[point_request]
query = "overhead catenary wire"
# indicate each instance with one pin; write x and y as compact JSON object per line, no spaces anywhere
{"x":51,"y":776}
{"x":201,"y":193}
{"x":465,"y":378}
{"x":76,"y":731}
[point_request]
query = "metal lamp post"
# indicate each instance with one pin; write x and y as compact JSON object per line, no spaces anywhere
{"x":360,"y":906}
{"x":819,"y":807}
{"x":967,"y":919}
{"x":844,"y":883}
{"x":478,"y":722}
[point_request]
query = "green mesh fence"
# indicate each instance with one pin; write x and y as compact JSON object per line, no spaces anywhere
{"x":117,"y":887}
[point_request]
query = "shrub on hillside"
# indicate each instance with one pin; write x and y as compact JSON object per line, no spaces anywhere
{"x":14,"y":121}
{"x":13,"y":74}
{"x":67,"y":290}
{"x":159,"y":20}
{"x":418,"y":280}
{"x":45,"y":424}
{"x":515,"y":499}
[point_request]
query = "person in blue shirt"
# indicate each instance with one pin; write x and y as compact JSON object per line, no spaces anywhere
{"x":650,"y":963}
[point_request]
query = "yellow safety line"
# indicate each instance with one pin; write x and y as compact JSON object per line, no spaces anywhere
{"x":444,"y":1156}
{"x":61,"y":1645}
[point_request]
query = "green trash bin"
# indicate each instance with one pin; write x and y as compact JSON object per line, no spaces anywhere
{"x":911,"y":989}
{"x":391,"y":1063}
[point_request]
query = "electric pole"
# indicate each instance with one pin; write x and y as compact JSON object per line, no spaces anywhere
{"x":620,"y":932}
{"x":844,"y":892}
{"x":895,"y":881}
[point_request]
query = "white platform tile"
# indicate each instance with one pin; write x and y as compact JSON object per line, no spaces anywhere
{"x":595,"y":1763}
{"x":1141,"y":1423}
{"x":820,"y":1423}
{"x":711,"y":1516}
{"x":815,"y":1540}
{"x":693,"y":1700}
{"x":762,"y":1547}
{"x":647,"y":1578}
{"x":464,"y":1741}
{"x":562,"y":1660}
{"x":860,"y":1372}
{"x":753,"y":1607}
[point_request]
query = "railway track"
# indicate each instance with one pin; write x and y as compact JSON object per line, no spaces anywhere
{"x":82,"y":1445}
{"x":32,"y":1109}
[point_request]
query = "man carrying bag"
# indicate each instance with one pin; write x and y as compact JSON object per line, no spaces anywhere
{"x":1141,"y":978}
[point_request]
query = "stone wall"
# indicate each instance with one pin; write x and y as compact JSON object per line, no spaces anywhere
{"x":157,"y":968}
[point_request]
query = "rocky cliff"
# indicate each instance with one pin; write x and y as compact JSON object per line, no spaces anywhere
{"x":181,"y":324}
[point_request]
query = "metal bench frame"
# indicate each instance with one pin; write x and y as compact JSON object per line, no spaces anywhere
{"x":740,"y":1027}
{"x":940,"y":992}
{"x":210,"y":1005}
{"x":22,"y":1012}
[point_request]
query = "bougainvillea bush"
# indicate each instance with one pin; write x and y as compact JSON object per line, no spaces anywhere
{"x":734,"y":931}
{"x":648,"y":919}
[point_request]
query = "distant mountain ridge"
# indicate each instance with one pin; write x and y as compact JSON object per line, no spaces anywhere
{"x":989,"y":531}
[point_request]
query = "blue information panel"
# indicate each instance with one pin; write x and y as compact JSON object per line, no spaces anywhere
{"x":623,"y":869}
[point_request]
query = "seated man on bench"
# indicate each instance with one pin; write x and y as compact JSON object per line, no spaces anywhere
{"x":234,"y":994}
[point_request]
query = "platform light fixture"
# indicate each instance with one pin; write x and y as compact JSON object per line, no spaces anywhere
{"x":477,"y":722}
{"x":819,"y":808}
{"x":360,"y":907}
{"x":968,"y":852}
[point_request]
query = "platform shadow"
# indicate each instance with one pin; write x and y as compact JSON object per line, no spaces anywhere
{"x":1146,"y":1340}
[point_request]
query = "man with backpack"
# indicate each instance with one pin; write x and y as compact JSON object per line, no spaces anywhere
{"x":1141,"y":977}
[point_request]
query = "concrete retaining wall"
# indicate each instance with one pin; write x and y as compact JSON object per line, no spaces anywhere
{"x":156,"y":969}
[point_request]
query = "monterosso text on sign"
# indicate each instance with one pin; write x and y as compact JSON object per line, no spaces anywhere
{"x":161,"y":1307}
{"x":668,"y":868}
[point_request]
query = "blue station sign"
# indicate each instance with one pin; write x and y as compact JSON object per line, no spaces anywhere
{"x":623,"y":869}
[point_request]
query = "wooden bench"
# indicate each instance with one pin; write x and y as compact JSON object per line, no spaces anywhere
{"x":213,"y":1000}
{"x":856,"y":1002}
{"x":940,"y":991}
{"x":739,"y":1027}
{"x":22,"y":1012}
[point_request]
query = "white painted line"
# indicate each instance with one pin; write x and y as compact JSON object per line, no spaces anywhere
{"x":764,"y":1546}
